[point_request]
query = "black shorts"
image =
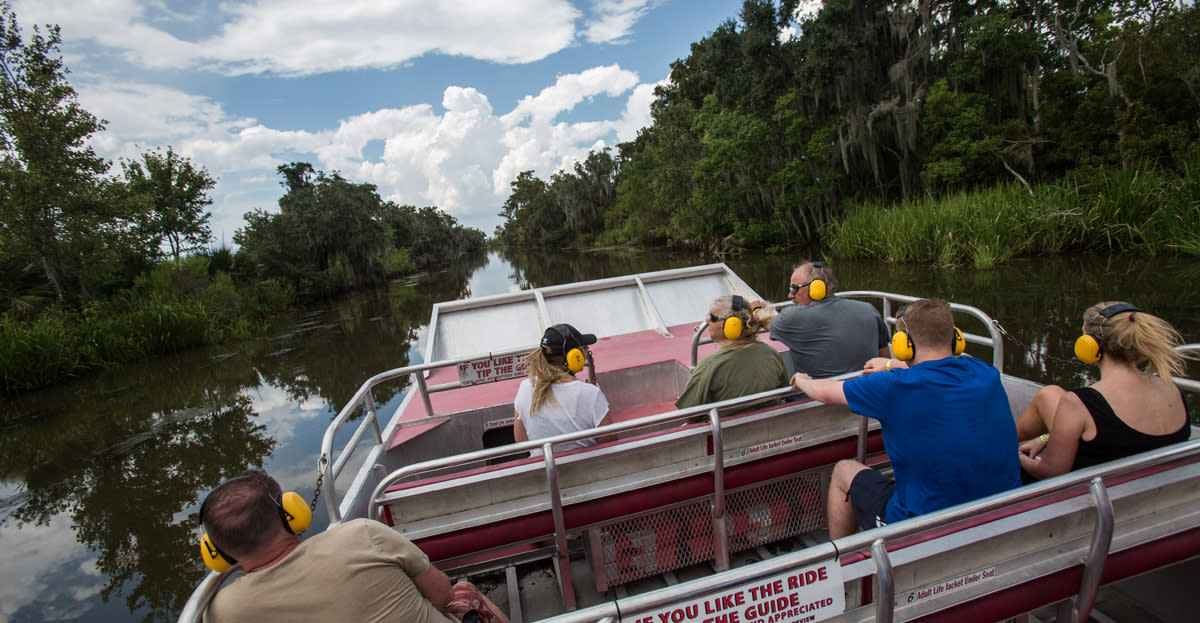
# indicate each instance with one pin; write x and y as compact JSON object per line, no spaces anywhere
{"x":869,"y":494}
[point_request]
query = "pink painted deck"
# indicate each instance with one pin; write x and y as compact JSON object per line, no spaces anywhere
{"x":618,"y":352}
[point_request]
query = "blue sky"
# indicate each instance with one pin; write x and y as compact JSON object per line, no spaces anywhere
{"x":435,"y":102}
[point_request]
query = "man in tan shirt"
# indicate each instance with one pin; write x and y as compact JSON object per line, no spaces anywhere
{"x":361,"y":570}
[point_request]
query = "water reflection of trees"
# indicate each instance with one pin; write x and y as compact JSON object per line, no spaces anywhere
{"x":360,"y":336}
{"x":124,"y":475}
{"x":124,"y":453}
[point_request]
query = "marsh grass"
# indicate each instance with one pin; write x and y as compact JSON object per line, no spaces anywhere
{"x":38,"y":352}
{"x":1144,"y":209}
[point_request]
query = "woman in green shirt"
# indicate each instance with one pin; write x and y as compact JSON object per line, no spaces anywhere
{"x":742,"y":365}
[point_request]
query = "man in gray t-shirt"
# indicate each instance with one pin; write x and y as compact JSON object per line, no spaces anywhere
{"x":825,"y":335}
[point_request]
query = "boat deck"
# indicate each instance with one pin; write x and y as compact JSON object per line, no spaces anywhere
{"x":616,"y":358}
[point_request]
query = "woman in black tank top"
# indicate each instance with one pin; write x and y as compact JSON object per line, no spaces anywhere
{"x":1129,"y":410}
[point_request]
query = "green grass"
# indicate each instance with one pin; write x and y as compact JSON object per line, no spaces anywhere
{"x":1143,"y":209}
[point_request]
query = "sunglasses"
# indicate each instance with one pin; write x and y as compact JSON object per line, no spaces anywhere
{"x":794,"y":288}
{"x":713,"y":318}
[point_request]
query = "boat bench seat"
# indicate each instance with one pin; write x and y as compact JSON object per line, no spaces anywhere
{"x":614,"y":492}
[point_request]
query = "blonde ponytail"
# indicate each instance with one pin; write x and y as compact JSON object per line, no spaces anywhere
{"x":1138,"y":336}
{"x":544,"y":371}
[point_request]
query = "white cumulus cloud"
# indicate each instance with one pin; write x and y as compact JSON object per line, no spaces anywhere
{"x":460,"y":157}
{"x":303,"y":38}
{"x":614,"y":19}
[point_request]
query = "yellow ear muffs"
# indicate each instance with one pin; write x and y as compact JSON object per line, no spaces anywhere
{"x":573,"y":357}
{"x":733,"y":327}
{"x":902,"y":346}
{"x":1087,"y":348}
{"x":575,"y":360}
{"x":816,"y":289}
{"x":295,"y":512}
{"x":960,"y":342}
{"x":213,"y":558}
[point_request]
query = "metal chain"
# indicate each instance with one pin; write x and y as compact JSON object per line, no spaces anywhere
{"x":1040,"y":355}
{"x":321,"y":463}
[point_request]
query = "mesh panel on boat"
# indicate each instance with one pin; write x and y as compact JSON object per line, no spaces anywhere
{"x":666,"y":539}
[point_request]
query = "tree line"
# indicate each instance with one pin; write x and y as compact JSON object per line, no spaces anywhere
{"x":103,"y":264}
{"x":761,"y":140}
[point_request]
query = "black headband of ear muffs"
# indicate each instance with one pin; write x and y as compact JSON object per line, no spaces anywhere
{"x":1113,"y":310}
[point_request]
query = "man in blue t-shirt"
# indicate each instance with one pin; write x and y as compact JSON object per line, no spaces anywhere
{"x":946,"y":425}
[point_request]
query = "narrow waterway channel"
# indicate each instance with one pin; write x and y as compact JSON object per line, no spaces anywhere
{"x":101,"y":478}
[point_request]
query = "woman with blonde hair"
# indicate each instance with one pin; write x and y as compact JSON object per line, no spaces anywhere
{"x":1129,"y":410}
{"x":551,"y":401}
{"x":742,"y":365}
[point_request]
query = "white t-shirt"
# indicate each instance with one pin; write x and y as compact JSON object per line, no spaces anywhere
{"x":576,"y":406}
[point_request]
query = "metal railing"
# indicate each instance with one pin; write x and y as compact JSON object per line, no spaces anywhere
{"x":1190,"y":385}
{"x":876,"y":541}
{"x":667,"y":417}
{"x":330,"y":468}
{"x":379,"y":496}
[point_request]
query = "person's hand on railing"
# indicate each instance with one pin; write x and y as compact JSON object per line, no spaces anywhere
{"x":880,"y":364}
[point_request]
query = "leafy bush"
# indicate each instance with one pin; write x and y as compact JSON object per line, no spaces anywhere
{"x":399,"y":262}
{"x":266,"y":298}
{"x":171,"y":279}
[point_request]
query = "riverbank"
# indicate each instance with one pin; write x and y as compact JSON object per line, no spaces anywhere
{"x":159,"y":317}
{"x":1146,"y":210}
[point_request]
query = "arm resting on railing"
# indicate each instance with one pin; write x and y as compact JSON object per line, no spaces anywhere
{"x":827,"y":391}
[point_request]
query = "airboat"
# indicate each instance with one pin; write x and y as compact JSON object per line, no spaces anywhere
{"x":721,"y":520}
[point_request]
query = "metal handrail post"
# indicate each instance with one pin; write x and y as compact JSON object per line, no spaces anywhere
{"x":885,"y":583}
{"x":374,"y":413}
{"x":370,"y":422}
{"x":1093,"y":567}
{"x":720,"y":525}
{"x":562,"y":561}
{"x":419,"y":377}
